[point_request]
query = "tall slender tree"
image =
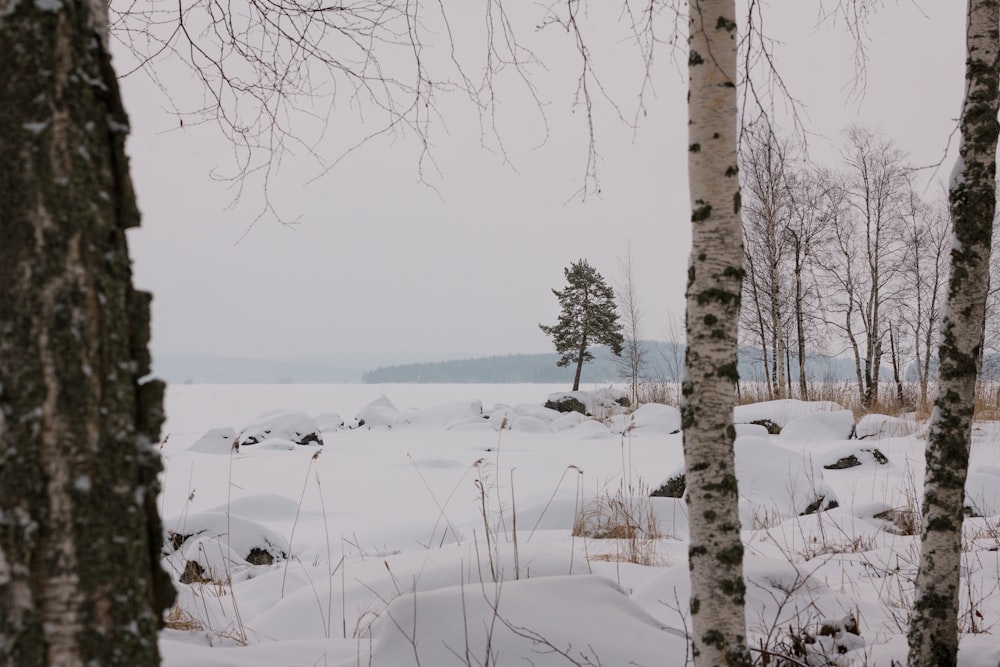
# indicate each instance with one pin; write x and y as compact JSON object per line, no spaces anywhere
{"x":767,"y":217}
{"x":633,"y":360}
{"x":80,"y":577}
{"x":715,"y":277}
{"x":933,"y":634}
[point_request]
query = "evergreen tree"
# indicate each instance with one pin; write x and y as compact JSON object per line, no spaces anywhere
{"x":588,"y":317}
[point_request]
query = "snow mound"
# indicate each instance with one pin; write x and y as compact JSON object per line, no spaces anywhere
{"x":380,"y":412}
{"x":439,"y":415}
{"x":469,"y":423}
{"x":329,"y":421}
{"x":743,"y":430}
{"x":655,"y":419}
{"x":530,"y":425}
{"x":547,"y":415}
{"x":535,"y":617}
{"x":884,"y":426}
{"x":261,"y":507}
{"x":819,"y":427}
{"x":295,"y":427}
{"x":208,"y":536}
{"x":982,"y":491}
{"x":591,"y":429}
{"x":215,"y":441}
{"x":498,"y":414}
{"x":568,"y":420}
{"x":774,"y":481}
{"x":780,"y":412}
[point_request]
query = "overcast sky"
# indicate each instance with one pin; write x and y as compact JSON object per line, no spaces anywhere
{"x":382,"y":264}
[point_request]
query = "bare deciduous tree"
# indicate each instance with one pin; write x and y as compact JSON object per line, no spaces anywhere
{"x":925,"y":275}
{"x":767,"y":217}
{"x":813,"y":202}
{"x":633,"y":360}
{"x":867,"y":251}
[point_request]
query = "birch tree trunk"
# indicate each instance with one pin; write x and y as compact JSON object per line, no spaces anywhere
{"x":713,"y":300}
{"x":800,"y":322}
{"x":80,"y":580}
{"x":933,"y":635}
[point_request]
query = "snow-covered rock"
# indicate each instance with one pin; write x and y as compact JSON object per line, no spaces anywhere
{"x":216,"y":541}
{"x":600,"y":402}
{"x":849,"y":455}
{"x":568,"y":420}
{"x":656,"y":418}
{"x":502,"y":416}
{"x":819,"y":427}
{"x":295,"y":427}
{"x":884,"y":426}
{"x":775,"y":481}
{"x":380,"y":412}
{"x":743,"y":430}
{"x":329,"y":421}
{"x":782,"y":411}
{"x":215,"y":441}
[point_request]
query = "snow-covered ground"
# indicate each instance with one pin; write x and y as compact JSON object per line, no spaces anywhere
{"x":441,"y":530}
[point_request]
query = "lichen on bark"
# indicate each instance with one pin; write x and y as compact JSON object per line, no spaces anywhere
{"x":933,"y":632}
{"x":713,"y":301}
{"x":78,"y":481}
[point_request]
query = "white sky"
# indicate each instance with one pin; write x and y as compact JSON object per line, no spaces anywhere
{"x":381,"y":264}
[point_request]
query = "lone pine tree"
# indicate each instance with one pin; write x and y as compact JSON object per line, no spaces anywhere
{"x":588,"y":317}
{"x":80,"y":539}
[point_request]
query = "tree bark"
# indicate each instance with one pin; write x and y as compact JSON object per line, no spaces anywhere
{"x":580,"y":358}
{"x":894,"y":354}
{"x":933,"y":635}
{"x":758,"y":322}
{"x":800,"y":325}
{"x":80,"y":579}
{"x":713,"y":300}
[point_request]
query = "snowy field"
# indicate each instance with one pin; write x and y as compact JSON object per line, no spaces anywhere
{"x":468,"y":525}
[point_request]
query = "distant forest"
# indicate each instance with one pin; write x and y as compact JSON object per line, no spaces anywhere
{"x":662,"y":363}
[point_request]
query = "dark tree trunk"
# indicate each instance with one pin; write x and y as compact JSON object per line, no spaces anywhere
{"x":895,"y":365}
{"x":579,"y":366}
{"x":800,"y":325}
{"x":80,"y":580}
{"x":933,"y":635}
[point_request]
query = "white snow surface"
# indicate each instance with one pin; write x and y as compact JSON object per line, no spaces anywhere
{"x":819,"y":427}
{"x":781,"y":411}
{"x":432,"y":536}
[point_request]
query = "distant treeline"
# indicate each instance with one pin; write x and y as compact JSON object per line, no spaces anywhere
{"x":662,"y":363}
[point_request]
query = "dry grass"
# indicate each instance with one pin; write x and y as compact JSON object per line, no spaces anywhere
{"x":625,"y":516}
{"x":845,"y":393}
{"x":179,"y":618}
